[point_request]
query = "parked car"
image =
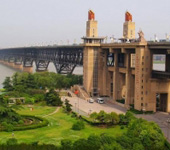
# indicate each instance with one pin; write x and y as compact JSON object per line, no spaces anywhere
{"x":100,"y":100}
{"x":91,"y":100}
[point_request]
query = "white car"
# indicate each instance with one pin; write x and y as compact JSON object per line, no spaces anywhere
{"x":91,"y":100}
{"x":100,"y":100}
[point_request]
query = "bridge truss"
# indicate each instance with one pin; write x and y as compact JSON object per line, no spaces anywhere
{"x":64,"y":58}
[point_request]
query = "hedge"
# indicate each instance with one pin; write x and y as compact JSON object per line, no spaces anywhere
{"x":42,"y":123}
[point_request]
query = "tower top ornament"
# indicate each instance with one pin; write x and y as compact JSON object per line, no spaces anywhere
{"x":128,"y":16}
{"x":91,"y":15}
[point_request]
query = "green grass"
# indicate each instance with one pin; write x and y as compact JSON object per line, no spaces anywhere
{"x":59,"y":128}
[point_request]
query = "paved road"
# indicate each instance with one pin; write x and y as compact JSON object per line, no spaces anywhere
{"x":86,"y":107}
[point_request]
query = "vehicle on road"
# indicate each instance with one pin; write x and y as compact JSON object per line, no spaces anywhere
{"x":100,"y":100}
{"x":91,"y":100}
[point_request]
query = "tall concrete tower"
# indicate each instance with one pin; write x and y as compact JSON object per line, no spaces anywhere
{"x":128,"y":27}
{"x":91,"y":54}
{"x":91,"y":26}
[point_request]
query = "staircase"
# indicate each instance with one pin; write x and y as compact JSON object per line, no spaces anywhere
{"x":82,"y":93}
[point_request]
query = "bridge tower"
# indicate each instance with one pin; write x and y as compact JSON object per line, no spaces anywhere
{"x":128,"y":27}
{"x":91,"y":54}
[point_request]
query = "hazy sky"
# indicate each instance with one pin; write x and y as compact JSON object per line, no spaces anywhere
{"x":33,"y":22}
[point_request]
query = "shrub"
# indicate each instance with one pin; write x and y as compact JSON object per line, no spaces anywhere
{"x":9,"y":127}
{"x":21,"y":122}
{"x":122,"y":101}
{"x":74,"y":114}
{"x":79,"y":125}
{"x":4,"y":124}
{"x":11,"y":141}
{"x":67,"y":106}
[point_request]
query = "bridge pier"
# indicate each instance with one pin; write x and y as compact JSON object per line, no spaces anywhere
{"x":18,"y":66}
{"x":28,"y":69}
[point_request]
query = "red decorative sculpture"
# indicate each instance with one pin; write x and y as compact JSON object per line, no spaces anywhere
{"x":91,"y":15}
{"x":128,"y":16}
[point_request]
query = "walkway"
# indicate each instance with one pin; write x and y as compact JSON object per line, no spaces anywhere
{"x":57,"y":109}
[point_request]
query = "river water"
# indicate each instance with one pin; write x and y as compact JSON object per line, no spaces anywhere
{"x":8,"y":72}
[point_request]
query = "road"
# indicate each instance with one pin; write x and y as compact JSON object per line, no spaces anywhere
{"x":85,"y":108}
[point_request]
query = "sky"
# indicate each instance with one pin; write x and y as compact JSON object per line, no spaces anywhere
{"x":48,"y":22}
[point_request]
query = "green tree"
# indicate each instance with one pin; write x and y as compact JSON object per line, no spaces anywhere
{"x":66,"y":144}
{"x":101,"y":116}
{"x":7,"y":84}
{"x":94,"y":116}
{"x":114,"y":118}
{"x":68,"y":106}
{"x":94,"y":142}
{"x":52,"y":98}
{"x":30,"y":82}
{"x":112,"y":146}
{"x":81,"y":144}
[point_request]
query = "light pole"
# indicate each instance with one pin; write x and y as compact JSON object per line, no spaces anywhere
{"x":168,"y":121}
{"x":143,"y":110}
{"x":90,"y":111}
{"x":78,"y":105}
{"x":75,"y":107}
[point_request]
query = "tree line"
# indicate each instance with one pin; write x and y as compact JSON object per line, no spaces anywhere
{"x":50,"y":80}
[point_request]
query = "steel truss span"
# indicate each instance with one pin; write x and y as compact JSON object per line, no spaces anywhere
{"x":64,"y":58}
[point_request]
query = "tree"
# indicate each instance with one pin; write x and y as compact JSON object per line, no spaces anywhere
{"x":7,"y":114}
{"x":52,"y":98}
{"x":66,"y":144}
{"x":93,"y":116}
{"x":30,"y":82}
{"x":112,"y":146}
{"x":114,"y":118}
{"x":101,"y":116}
{"x":7,"y":84}
{"x":68,"y":106}
{"x":81,"y":144}
{"x":94,"y":142}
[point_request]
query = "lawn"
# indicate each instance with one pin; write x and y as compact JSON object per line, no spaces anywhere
{"x":58,"y":129}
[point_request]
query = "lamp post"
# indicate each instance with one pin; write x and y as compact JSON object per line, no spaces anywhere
{"x":75,"y":107}
{"x":143,"y":110}
{"x":77,"y":92}
{"x":168,"y":121}
{"x":90,"y":111}
{"x":78,"y":105}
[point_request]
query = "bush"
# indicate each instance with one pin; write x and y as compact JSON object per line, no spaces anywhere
{"x":122,"y":101}
{"x":11,"y":141}
{"x":39,"y":122}
{"x":79,"y":125}
{"x":4,"y":124}
{"x":9,"y":127}
{"x":21,"y":122}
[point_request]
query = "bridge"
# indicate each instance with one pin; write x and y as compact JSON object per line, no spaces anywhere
{"x":64,"y":58}
{"x":120,"y":70}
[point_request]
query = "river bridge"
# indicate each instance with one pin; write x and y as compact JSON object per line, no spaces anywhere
{"x":119,"y":70}
{"x":64,"y":58}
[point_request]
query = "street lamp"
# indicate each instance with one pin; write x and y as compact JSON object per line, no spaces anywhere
{"x":75,"y":107}
{"x":168,"y":121}
{"x":143,"y":110}
{"x":90,"y":111}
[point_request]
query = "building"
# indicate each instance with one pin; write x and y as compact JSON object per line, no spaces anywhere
{"x":125,"y":70}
